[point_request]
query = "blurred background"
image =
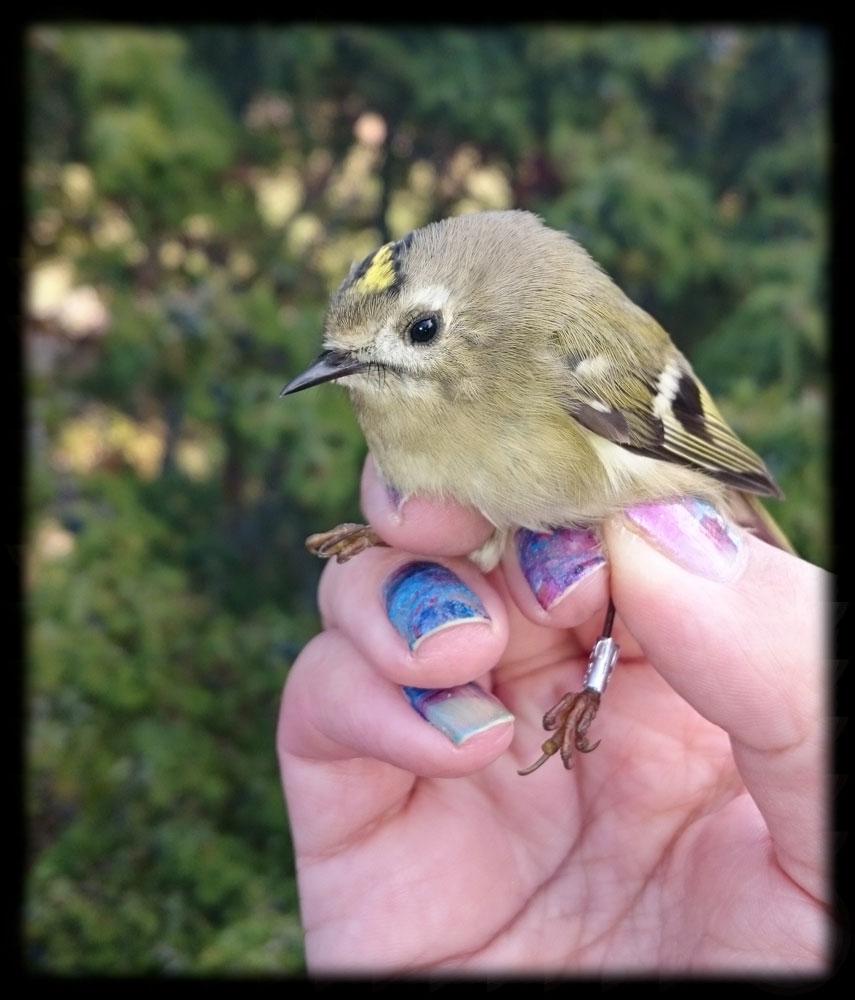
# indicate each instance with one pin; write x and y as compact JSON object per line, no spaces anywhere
{"x":192,"y":197}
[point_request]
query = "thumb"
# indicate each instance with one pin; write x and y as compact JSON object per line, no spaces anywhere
{"x":738,"y":629}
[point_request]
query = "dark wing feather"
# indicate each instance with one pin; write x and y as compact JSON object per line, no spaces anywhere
{"x":665,"y":414}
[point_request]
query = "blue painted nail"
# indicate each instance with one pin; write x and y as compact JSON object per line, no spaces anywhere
{"x":423,"y":598}
{"x":459,"y":712}
{"x":553,"y":562}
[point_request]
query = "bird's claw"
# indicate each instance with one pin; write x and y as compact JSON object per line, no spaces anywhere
{"x":343,"y":542}
{"x":571,"y":717}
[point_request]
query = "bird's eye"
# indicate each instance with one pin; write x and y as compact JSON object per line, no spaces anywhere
{"x":424,"y":330}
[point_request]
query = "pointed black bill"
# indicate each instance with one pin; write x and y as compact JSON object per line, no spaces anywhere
{"x":328,"y":366}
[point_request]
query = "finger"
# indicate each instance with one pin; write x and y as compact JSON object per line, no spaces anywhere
{"x":336,"y":707}
{"x":738,"y":629}
{"x":431,"y":624}
{"x":559,"y":578}
{"x":418,"y":525}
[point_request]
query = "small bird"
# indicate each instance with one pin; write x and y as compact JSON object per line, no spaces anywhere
{"x":492,"y":362}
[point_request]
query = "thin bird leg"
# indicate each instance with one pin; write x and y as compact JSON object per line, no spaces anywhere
{"x":343,"y":542}
{"x":573,"y":715}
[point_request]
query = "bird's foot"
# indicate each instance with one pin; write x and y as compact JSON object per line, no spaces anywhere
{"x":570,"y":718}
{"x":343,"y":542}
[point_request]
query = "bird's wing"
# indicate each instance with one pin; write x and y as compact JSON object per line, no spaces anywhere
{"x":752,"y":515}
{"x":659,"y":408}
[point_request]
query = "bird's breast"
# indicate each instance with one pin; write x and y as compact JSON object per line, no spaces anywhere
{"x":535,"y":469}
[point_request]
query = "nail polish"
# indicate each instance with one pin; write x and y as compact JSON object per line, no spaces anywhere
{"x":554,"y":562}
{"x":459,"y":712}
{"x":396,"y":498}
{"x":424,"y":598}
{"x":694,"y":534}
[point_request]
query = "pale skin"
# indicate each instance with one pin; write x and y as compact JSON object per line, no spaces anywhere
{"x":693,"y":840}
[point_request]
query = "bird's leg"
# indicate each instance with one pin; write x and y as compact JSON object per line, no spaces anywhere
{"x":573,"y":715}
{"x":343,"y":542}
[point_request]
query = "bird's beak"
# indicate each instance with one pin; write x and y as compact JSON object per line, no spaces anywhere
{"x":328,"y":366}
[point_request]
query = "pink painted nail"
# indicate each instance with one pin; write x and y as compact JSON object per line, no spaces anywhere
{"x":694,"y":534}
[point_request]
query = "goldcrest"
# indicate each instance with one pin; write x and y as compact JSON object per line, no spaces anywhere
{"x":492,"y":362}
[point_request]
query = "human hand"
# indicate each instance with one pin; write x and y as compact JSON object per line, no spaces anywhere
{"x":693,"y":839}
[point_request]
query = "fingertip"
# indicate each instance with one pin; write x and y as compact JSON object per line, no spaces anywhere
{"x":559,"y":579}
{"x":432,"y":623}
{"x":476,"y":728}
{"x":453,"y":654}
{"x":741,"y":651}
{"x":427,"y":527}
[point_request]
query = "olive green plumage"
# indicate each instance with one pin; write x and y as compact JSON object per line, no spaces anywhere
{"x":491,"y":361}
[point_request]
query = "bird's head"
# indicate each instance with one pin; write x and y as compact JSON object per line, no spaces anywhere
{"x":448,"y":310}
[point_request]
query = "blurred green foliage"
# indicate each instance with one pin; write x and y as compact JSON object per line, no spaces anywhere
{"x":193,"y":195}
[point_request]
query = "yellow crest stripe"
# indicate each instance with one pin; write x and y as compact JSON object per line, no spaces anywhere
{"x":380,"y":273}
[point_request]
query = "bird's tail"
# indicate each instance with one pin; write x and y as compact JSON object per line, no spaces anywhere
{"x":749,"y":512}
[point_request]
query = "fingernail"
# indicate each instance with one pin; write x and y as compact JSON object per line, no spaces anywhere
{"x":396,"y":498}
{"x":423,"y":598}
{"x":554,"y":562}
{"x":694,"y":534}
{"x":459,"y":712}
{"x":396,"y":501}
